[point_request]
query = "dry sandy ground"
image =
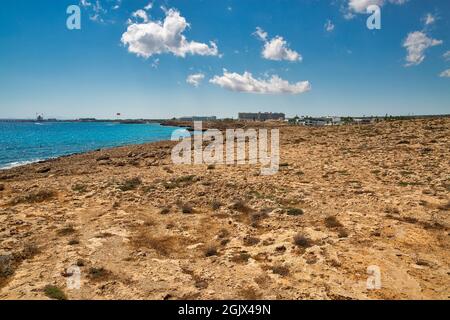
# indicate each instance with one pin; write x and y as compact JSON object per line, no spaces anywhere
{"x":369,"y":195}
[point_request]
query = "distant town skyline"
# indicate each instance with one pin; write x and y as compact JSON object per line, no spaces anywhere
{"x":172,"y":58}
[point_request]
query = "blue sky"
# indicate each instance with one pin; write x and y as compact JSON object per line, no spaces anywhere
{"x":311,"y":57}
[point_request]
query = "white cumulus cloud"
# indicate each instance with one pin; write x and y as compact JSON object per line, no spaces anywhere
{"x":85,"y":3}
{"x":117,"y":5}
{"x":277,"y":48}
{"x":360,"y":6}
{"x":247,"y":83}
{"x":329,"y":26}
{"x":148,"y":6}
{"x":157,"y":37}
{"x":141,"y":14}
{"x":261,"y":34}
{"x":95,"y":10}
{"x":447,"y":55}
{"x":195,"y":79}
{"x":416,"y":44}
{"x":429,"y":19}
{"x":445,"y":74}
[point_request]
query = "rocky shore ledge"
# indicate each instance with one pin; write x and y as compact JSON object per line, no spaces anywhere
{"x":139,"y":227}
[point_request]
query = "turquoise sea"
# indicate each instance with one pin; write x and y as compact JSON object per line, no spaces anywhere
{"x":26,"y":142}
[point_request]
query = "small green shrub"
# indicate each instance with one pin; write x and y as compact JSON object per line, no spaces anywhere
{"x":54,"y":292}
{"x":294,"y":211}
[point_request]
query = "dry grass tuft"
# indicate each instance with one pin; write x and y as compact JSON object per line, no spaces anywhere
{"x":79,"y":187}
{"x":165,"y":210}
{"x":34,"y":197}
{"x":249,"y":294}
{"x":251,"y":241}
{"x":10,"y":262}
{"x":331,"y":222}
{"x":6,"y":266}
{"x":342,"y":233}
{"x":280,"y":270}
{"x":130,"y":184}
{"x":180,"y":182}
{"x":165,"y":246}
{"x":80,"y":263}
{"x":186,"y":208}
{"x":259,"y":216}
{"x":223,"y":233}
{"x":241,"y":257}
{"x":216,"y":205}
{"x":73,"y":242}
{"x":241,"y":206}
{"x":98,"y":274}
{"x":68,"y":230}
{"x":302,"y":241}
{"x":210,"y":250}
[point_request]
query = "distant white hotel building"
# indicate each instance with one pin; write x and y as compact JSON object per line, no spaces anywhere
{"x":318,"y":122}
{"x":261,"y":116}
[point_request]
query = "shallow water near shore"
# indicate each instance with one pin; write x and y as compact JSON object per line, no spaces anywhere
{"x":26,"y":142}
